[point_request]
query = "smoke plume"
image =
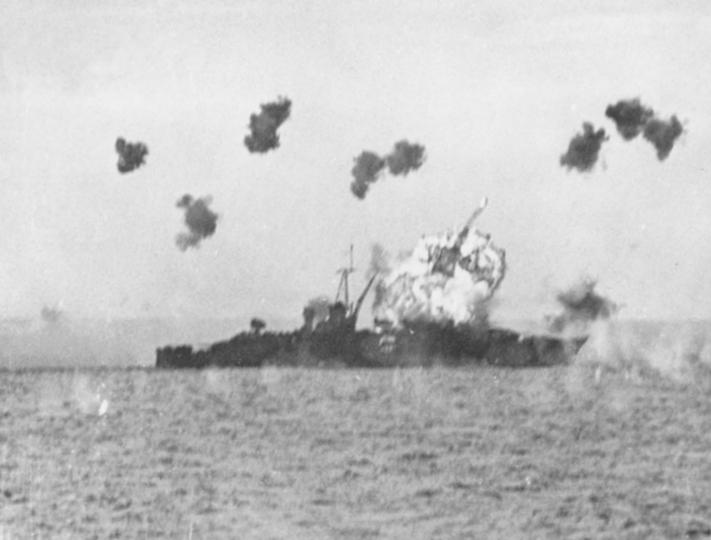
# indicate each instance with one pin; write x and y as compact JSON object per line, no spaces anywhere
{"x":131,"y":155}
{"x":405,"y":157}
{"x":630,"y":117}
{"x":662,"y":134}
{"x":581,"y":306}
{"x":200,"y":220}
{"x":316,"y":311}
{"x":367,"y":168}
{"x":264,"y":126}
{"x":584,"y":149}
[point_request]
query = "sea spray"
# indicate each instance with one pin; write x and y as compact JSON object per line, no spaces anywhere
{"x":89,"y":397}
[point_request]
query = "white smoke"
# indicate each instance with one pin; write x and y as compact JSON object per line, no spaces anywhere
{"x":416,"y":290}
{"x":675,"y":351}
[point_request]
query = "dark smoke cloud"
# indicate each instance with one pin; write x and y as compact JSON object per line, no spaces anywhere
{"x":584,"y":149}
{"x":633,"y":118}
{"x":662,"y":134}
{"x":201,"y":221}
{"x":405,"y":157}
{"x":630,"y":117}
{"x":263,"y":126}
{"x":581,"y":305}
{"x":131,"y":155}
{"x":368,"y":165}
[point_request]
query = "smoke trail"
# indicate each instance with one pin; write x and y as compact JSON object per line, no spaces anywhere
{"x":131,"y":155}
{"x":584,"y":149}
{"x":581,"y":306}
{"x":405,"y":157}
{"x":200,"y":220}
{"x":264,"y":126}
{"x":662,"y":134}
{"x":630,"y":117}
{"x":368,"y":165}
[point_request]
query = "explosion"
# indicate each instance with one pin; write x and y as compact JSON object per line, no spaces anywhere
{"x":447,"y":278}
{"x":200,"y":220}
{"x":131,"y":155}
{"x":264,"y":126}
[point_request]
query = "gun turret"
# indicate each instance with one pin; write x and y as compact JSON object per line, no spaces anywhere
{"x":448,"y":257}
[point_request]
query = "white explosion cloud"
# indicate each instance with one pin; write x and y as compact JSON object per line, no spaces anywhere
{"x":447,"y":278}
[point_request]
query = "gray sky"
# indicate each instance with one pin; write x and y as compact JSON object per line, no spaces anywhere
{"x":494,"y":90}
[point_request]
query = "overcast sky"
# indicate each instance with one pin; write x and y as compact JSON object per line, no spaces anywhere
{"x":494,"y":90}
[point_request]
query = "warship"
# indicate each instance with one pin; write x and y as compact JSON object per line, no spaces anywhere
{"x":405,"y":335}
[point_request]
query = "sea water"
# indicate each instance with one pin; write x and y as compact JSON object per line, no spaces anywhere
{"x":586,"y":450}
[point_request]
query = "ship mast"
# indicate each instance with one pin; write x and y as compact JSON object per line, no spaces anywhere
{"x":343,"y":283}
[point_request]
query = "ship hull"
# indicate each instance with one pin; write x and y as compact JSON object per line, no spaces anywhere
{"x":416,"y":345}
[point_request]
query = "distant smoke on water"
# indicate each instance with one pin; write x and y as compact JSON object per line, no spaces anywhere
{"x":131,"y":155}
{"x":584,"y":149}
{"x":582,"y":305}
{"x":263,"y":126}
{"x":51,"y":315}
{"x":200,"y":220}
{"x":404,"y":158}
{"x":673,"y":350}
{"x":679,"y":351}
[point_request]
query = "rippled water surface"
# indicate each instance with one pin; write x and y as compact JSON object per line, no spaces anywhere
{"x":294,"y":453}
